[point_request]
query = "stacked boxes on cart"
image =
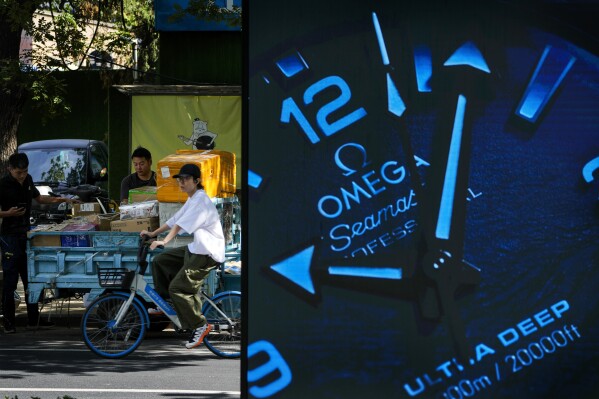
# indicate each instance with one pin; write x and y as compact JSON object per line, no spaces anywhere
{"x":86,"y":218}
{"x":74,"y":238}
{"x":148,"y":207}
{"x":136,"y":217}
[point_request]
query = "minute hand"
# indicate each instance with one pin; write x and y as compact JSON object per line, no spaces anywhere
{"x":448,"y":195}
{"x":443,"y":263}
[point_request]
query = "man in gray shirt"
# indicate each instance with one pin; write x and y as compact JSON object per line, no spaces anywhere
{"x":143,"y":176}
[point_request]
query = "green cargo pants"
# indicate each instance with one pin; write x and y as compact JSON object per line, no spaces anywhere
{"x":179,"y":274}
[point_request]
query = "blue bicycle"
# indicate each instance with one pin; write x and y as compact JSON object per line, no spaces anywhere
{"x":115,"y":324}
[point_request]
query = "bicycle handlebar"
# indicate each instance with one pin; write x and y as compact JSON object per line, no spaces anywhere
{"x":142,"y":252}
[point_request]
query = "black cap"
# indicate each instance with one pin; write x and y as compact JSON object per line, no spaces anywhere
{"x":188,"y":169}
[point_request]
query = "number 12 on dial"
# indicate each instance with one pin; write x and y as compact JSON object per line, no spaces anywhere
{"x":291,"y":109}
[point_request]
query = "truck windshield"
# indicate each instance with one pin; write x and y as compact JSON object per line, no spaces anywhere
{"x":55,"y":166}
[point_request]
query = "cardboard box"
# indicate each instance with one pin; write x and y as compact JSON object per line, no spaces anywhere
{"x":135,"y":225}
{"x":77,"y":240}
{"x":87,"y":208}
{"x":46,"y":240}
{"x":142,"y":194}
{"x":104,"y":220}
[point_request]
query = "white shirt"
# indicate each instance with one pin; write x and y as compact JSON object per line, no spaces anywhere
{"x":199,"y":217}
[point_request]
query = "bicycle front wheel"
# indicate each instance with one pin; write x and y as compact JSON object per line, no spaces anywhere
{"x":103,"y":336}
{"x":225,"y":338}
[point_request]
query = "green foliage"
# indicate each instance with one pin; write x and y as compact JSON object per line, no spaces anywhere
{"x":69,"y":37}
{"x":135,"y":24}
{"x":62,"y":41}
{"x":17,"y":14}
{"x":47,"y":93}
{"x":208,"y":10}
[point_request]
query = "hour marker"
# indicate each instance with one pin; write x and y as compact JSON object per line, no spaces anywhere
{"x":380,"y":39}
{"x":292,"y":65}
{"x":552,"y":68}
{"x":296,"y":268}
{"x":468,"y":54}
{"x":254,"y":179}
{"x":424,"y":68}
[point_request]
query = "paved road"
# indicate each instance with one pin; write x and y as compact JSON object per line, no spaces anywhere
{"x":53,"y":363}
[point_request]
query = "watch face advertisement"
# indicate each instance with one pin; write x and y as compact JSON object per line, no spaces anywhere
{"x":422,"y":201}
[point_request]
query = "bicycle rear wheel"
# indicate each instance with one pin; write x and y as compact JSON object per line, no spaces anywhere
{"x":100,"y":333}
{"x":225,"y":338}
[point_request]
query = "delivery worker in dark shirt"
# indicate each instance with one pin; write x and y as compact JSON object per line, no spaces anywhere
{"x":143,"y":176}
{"x":16,"y":192}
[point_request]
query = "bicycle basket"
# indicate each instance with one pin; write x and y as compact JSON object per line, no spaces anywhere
{"x":115,"y":277}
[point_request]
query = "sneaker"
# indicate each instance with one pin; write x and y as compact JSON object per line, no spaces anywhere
{"x":8,"y":329}
{"x":155,"y":312}
{"x":41,"y":325}
{"x":197,"y":336}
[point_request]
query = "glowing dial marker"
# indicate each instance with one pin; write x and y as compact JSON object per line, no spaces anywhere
{"x":254,"y":179}
{"x":423,"y":63}
{"x":468,"y":54}
{"x":292,"y":65}
{"x":296,"y":268}
{"x":552,"y":68}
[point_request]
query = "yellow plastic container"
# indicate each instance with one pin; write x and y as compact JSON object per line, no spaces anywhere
{"x":227,"y":170}
{"x":217,"y":168}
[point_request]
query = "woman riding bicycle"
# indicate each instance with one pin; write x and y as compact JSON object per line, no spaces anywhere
{"x":178,"y":272}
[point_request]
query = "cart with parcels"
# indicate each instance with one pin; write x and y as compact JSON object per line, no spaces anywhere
{"x":65,"y":264}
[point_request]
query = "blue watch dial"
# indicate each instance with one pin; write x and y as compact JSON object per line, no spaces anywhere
{"x":423,"y":214}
